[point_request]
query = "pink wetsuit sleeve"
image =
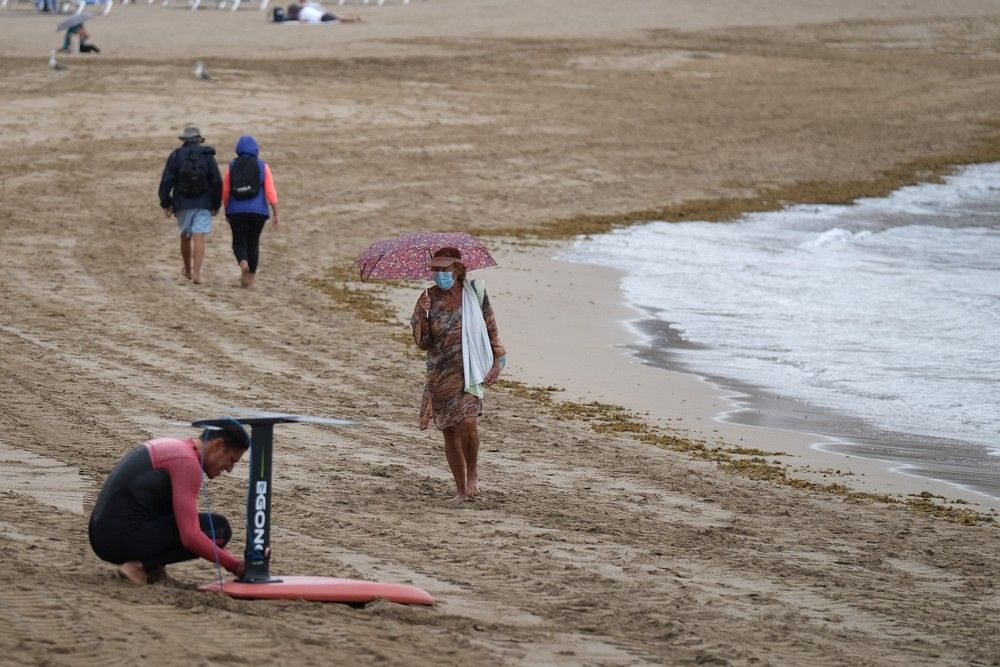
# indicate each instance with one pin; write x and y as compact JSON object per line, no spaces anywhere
{"x":269,"y":190}
{"x":225,"y":188}
{"x":185,"y":480}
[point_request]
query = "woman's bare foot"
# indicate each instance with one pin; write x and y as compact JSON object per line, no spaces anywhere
{"x":459,"y":499}
{"x":244,"y":274}
{"x":186,"y":272}
{"x":196,"y":277}
{"x":252,"y":279}
{"x":132,"y":570}
{"x":472,"y":488}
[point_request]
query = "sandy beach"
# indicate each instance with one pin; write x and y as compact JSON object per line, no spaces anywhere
{"x":620,"y":523}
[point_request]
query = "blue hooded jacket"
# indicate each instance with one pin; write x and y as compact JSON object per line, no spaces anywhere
{"x":247,"y":145}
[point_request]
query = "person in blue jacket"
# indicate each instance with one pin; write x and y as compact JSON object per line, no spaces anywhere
{"x":248,"y":190}
{"x":191,"y":191}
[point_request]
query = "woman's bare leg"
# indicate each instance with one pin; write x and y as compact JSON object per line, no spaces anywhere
{"x":470,"y":450}
{"x":456,"y":460}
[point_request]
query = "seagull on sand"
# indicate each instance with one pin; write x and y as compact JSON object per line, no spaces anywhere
{"x":200,"y":73}
{"x":53,"y":63}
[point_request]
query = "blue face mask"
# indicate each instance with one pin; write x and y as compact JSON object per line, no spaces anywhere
{"x":444,"y":279}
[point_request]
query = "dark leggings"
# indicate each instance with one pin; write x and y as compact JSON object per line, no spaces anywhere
{"x":155,"y":542}
{"x":246,"y":237}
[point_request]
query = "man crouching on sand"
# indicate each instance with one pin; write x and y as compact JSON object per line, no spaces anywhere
{"x":146,"y":516}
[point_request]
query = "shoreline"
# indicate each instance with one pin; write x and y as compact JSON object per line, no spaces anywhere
{"x":581,"y":307}
{"x":843,"y":434}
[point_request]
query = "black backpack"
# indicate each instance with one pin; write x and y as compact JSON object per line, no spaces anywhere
{"x":278,"y":15}
{"x":192,"y":177}
{"x":244,"y":177}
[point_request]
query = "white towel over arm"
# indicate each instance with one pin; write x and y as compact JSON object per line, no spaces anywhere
{"x":477,"y":353}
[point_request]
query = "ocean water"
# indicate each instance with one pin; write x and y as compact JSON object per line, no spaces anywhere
{"x":886,"y":311}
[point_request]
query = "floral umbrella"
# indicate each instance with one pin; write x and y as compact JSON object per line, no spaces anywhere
{"x":406,"y":257}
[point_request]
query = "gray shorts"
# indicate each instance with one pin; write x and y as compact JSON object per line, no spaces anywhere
{"x":194,"y":221}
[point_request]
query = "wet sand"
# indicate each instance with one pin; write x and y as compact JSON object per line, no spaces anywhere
{"x":588,"y":545}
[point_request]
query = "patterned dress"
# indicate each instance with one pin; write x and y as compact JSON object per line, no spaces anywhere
{"x":444,"y":397}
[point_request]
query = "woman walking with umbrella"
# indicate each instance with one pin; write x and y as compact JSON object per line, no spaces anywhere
{"x":454,"y":322}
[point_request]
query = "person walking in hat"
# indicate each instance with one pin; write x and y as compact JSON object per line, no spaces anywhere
{"x":191,"y":191}
{"x":454,"y":322}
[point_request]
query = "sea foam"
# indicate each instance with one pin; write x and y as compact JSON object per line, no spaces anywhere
{"x":887,"y":310}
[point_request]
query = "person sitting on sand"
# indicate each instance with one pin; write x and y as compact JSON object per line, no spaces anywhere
{"x":80,"y":31}
{"x":452,"y":400}
{"x":86,"y":47}
{"x":308,"y":11}
{"x":146,"y":516}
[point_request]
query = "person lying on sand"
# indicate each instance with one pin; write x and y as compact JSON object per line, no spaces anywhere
{"x":146,"y":516}
{"x":308,"y":11}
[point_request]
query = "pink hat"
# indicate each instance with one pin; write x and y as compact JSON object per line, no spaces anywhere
{"x":444,"y":258}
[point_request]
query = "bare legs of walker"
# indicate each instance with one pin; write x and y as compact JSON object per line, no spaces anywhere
{"x":461,"y":447}
{"x":193,"y":253}
{"x":186,"y":255}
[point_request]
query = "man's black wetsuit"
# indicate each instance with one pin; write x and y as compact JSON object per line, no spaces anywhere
{"x":148,"y":511}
